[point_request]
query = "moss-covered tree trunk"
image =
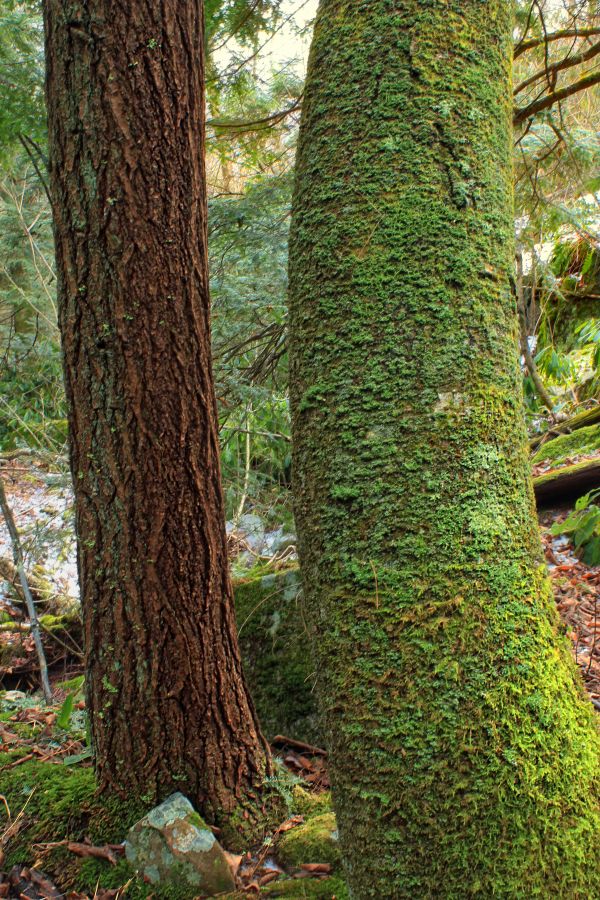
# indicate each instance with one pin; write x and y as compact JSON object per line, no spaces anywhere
{"x":168,"y":703}
{"x":464,"y":754}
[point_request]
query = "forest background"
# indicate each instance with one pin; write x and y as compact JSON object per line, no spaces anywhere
{"x":256,"y":62}
{"x":256,"y":53}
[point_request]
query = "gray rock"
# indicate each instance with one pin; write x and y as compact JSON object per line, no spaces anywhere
{"x":285,"y":542}
{"x":253,"y":529}
{"x":173,"y":845}
{"x":14,"y":696}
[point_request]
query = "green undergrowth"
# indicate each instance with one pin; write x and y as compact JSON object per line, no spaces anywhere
{"x":584,"y":441}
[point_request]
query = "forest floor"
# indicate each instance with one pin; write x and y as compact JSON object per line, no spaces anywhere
{"x":52,"y":736}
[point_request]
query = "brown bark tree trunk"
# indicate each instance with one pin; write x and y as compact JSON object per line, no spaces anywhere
{"x":168,"y":702}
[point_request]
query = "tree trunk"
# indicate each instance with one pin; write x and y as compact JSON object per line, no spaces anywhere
{"x":464,"y":756}
{"x":167,"y":698}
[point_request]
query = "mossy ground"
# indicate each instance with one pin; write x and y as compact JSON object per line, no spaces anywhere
{"x":60,"y":803}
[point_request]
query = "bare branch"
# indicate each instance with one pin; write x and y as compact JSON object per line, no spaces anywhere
{"x":31,"y":610}
{"x":554,"y":36}
{"x":526,"y":112}
{"x":554,"y":68}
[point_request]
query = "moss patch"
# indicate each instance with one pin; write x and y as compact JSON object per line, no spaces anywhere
{"x":306,"y":804}
{"x":325,"y":889}
{"x":584,"y":441}
{"x":60,"y":803}
{"x":314,"y":842}
{"x":275,"y":650}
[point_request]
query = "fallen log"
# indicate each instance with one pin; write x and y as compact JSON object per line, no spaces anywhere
{"x":566,"y":483}
{"x":588,"y":417}
{"x":562,"y":449}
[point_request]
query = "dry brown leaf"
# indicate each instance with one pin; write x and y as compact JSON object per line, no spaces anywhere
{"x":268,"y":878}
{"x":108,"y":852}
{"x":234,"y":861}
{"x":316,"y":868}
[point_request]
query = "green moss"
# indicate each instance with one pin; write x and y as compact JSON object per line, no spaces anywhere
{"x":582,"y":442}
{"x":275,"y":650}
{"x":59,"y":803}
{"x":307,"y":804}
{"x":564,"y":471}
{"x":64,"y":622}
{"x":309,"y":889}
{"x":315,"y":841}
{"x":464,"y":755}
{"x":301,"y":889}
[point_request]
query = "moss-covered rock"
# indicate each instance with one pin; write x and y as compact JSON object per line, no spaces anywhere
{"x":275,"y":649}
{"x":584,"y":441}
{"x":316,"y":841}
{"x":307,"y":804}
{"x":173,"y":845}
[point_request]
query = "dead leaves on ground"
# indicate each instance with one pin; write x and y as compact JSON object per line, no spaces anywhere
{"x":25,"y":883}
{"x":304,"y":760}
{"x":576,"y":589}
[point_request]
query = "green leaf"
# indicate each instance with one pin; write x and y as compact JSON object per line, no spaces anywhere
{"x":77,"y":757}
{"x":587,"y":525}
{"x":591,"y":554}
{"x":66,"y":711}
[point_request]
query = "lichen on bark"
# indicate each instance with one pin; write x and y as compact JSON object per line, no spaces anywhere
{"x":464,"y":755}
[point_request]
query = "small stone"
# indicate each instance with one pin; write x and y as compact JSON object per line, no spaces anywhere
{"x":172,"y":844}
{"x":14,"y":696}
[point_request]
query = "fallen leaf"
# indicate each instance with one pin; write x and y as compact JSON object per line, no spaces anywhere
{"x":108,"y":851}
{"x":316,"y":868}
{"x":234,"y":861}
{"x":268,"y":878}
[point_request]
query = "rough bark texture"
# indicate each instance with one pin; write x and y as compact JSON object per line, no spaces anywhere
{"x":167,"y":698}
{"x":464,"y":754}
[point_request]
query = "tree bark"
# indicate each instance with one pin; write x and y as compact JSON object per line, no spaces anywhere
{"x":166,"y":694}
{"x":464,"y":757}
